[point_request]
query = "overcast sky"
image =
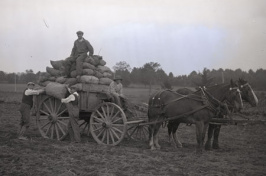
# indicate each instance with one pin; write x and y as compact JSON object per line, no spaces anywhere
{"x":181,"y":35}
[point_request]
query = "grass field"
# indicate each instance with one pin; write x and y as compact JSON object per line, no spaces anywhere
{"x":242,"y":152}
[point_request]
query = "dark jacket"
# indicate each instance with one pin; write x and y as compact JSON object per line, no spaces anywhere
{"x":82,"y":48}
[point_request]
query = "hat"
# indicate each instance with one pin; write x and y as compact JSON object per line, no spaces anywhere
{"x":79,"y":32}
{"x":117,"y":78}
{"x":31,"y":83}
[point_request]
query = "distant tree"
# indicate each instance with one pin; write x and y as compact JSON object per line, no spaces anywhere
{"x":123,"y":69}
{"x":122,"y":66}
{"x":2,"y":76}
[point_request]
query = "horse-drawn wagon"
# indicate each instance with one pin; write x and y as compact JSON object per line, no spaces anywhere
{"x":99,"y":115}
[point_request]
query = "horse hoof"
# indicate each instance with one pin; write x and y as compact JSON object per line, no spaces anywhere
{"x":215,"y":146}
{"x":207,"y":147}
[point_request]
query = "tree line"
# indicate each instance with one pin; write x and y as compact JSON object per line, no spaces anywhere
{"x":152,"y":74}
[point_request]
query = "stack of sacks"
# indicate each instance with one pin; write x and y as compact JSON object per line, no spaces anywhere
{"x":94,"y":71}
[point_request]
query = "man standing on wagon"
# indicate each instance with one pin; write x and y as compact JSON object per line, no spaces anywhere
{"x":25,"y":107}
{"x":79,"y":53}
{"x":73,"y":110}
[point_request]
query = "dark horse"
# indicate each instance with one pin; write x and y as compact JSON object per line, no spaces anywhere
{"x":248,"y":95}
{"x":228,"y":93}
{"x":197,"y":108}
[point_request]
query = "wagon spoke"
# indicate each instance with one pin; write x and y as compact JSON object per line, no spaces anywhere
{"x":45,"y":125}
{"x":100,"y":132}
{"x":111,"y":134}
{"x":62,"y":122}
{"x":98,"y":120}
{"x":104,"y":113}
{"x":43,"y":118}
{"x":48,"y":130}
{"x":131,"y":133}
{"x":117,"y":120}
{"x":118,"y":125}
{"x":107,"y":111}
{"x":115,"y":133}
{"x":97,"y":129}
{"x":113,"y":117}
{"x":61,"y":129}
{"x":44,"y":112}
{"x":107,"y":134}
{"x":52,"y":131}
{"x":47,"y":107}
{"x":116,"y":129}
{"x":61,"y":118}
{"x":57,"y":133}
{"x":112,"y":111}
{"x":104,"y":135}
{"x":58,"y":109}
{"x":99,"y":114}
{"x":62,"y":112}
{"x":51,"y":104}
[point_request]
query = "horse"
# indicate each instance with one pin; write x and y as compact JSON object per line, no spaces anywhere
{"x":197,"y":108}
{"x":228,"y":93}
{"x":248,"y":95}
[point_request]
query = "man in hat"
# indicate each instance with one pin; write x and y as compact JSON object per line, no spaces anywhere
{"x":25,"y":107}
{"x":79,"y":53}
{"x":116,"y":89}
{"x":73,"y":110}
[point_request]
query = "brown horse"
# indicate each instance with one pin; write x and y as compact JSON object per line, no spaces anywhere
{"x":248,"y":95}
{"x":197,"y":108}
{"x":228,"y":93}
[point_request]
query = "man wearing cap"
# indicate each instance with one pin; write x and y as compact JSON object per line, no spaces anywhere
{"x":116,"y":89}
{"x":25,"y":107}
{"x":73,"y":110}
{"x":79,"y":53}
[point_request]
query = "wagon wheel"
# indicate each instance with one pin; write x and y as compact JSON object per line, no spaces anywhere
{"x":108,"y":124}
{"x":138,"y":132}
{"x":52,"y":118}
{"x":84,"y":126}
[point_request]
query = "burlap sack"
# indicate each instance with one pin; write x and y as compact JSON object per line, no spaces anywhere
{"x":105,"y":81}
{"x":89,"y":79}
{"x":88,"y":65}
{"x":44,"y":84}
{"x":44,"y":76}
{"x":97,"y":59}
{"x":102,"y":62}
{"x":107,"y":75}
{"x":73,"y":74}
{"x":103,"y":69}
{"x":53,"y":71}
{"x":87,"y":72}
{"x":90,"y":60}
{"x":73,"y":67}
{"x":98,"y":74}
{"x":56,"y":90}
{"x":78,"y":86}
{"x":71,"y":81}
{"x":57,"y":64}
{"x":52,"y":78}
{"x":61,"y":80}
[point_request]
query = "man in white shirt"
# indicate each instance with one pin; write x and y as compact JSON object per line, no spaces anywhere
{"x":116,"y":90}
{"x":25,"y":107}
{"x":73,"y":110}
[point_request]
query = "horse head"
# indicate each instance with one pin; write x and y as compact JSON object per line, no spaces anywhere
{"x":233,"y":97}
{"x":247,"y":92}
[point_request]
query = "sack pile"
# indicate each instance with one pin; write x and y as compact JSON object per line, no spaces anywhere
{"x":94,"y":71}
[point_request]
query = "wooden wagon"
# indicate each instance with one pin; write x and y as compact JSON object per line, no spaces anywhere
{"x":99,"y":116}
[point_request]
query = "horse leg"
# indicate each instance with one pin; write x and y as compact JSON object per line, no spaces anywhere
{"x":151,"y":137}
{"x":177,"y":143}
{"x":199,"y":133}
{"x":210,"y":133}
{"x":215,"y":144}
{"x":156,"y":138}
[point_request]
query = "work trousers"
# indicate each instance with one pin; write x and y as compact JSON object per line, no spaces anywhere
{"x":73,"y":126}
{"x":79,"y":59}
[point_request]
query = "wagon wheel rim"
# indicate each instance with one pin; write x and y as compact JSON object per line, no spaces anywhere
{"x":138,"y":132}
{"x":108,"y":124}
{"x":84,"y":127}
{"x":51,"y":119}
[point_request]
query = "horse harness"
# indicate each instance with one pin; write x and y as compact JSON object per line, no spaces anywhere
{"x":157,"y":103}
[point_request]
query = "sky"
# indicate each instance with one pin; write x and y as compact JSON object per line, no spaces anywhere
{"x":182,"y":36}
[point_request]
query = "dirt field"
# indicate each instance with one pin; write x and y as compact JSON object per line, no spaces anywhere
{"x":243,"y":150}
